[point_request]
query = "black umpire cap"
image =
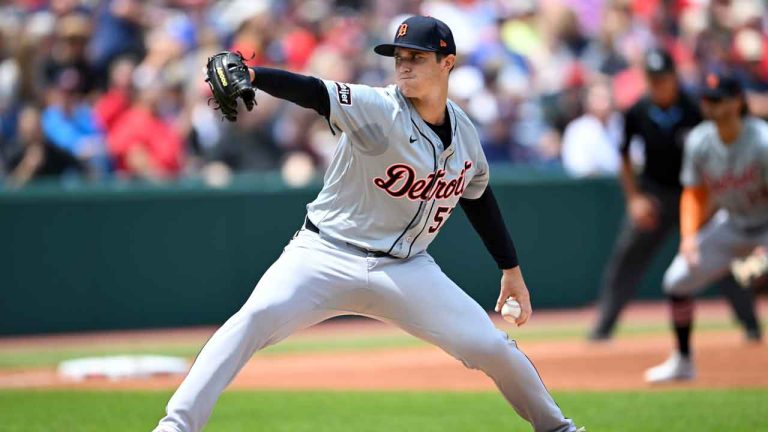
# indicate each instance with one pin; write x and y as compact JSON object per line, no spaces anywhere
{"x":421,"y":33}
{"x":658,"y":61}
{"x":719,"y":86}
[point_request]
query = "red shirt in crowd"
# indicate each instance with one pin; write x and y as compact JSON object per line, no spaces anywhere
{"x":110,"y":107}
{"x":140,"y":128}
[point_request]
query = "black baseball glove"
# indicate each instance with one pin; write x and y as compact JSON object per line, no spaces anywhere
{"x":229,"y":79}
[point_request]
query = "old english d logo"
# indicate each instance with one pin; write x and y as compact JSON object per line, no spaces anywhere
{"x":402,"y":30}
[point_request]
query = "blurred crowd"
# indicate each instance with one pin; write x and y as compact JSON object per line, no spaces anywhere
{"x":114,"y":88}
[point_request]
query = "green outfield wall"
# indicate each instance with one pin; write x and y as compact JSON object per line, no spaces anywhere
{"x":122,"y":256}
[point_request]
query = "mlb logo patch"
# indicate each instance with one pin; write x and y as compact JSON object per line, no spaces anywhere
{"x":344,"y":93}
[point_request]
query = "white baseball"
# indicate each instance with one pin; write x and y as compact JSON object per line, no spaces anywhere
{"x":511,"y":310}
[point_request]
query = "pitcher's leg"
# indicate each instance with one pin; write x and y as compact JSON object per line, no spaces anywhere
{"x":419,"y":298}
{"x":292,"y":294}
{"x":223,"y":356}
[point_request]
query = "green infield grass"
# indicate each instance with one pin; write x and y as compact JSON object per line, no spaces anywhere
{"x":663,"y":411}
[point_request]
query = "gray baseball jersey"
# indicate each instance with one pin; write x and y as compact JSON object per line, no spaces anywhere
{"x":736,"y":175}
{"x":391,"y":185}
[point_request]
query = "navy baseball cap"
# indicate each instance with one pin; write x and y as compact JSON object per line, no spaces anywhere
{"x":721,"y":86}
{"x":658,"y":61}
{"x":421,"y":33}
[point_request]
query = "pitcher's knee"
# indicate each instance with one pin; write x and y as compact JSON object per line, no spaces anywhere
{"x":476,"y":353}
{"x":261,"y":321}
{"x":265,"y":311}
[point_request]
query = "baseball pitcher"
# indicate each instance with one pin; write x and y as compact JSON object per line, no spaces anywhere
{"x":406,"y":157}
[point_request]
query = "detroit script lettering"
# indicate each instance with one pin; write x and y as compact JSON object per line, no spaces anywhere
{"x":401,"y":182}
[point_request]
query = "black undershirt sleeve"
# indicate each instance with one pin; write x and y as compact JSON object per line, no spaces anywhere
{"x":484,"y":215}
{"x":303,"y":90}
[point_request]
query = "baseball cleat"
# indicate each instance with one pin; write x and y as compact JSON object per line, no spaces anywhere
{"x":598,"y":336}
{"x":675,"y":368}
{"x":754,"y":335}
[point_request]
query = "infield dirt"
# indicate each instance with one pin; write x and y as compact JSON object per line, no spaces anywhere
{"x":724,"y":358}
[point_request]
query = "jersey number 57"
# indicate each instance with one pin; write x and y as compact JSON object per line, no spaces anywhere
{"x":441,"y":215}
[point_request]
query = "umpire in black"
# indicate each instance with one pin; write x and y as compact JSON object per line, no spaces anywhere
{"x":661,"y":119}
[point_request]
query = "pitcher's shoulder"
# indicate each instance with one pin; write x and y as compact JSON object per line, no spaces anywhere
{"x":464,"y":124}
{"x":459,"y":113}
{"x":393,"y":92}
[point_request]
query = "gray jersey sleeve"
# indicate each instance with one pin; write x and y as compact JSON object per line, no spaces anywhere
{"x":479,"y":181}
{"x":690,"y":173}
{"x":366,"y":114}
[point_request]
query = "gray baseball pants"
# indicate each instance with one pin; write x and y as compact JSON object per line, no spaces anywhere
{"x":318,"y":278}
